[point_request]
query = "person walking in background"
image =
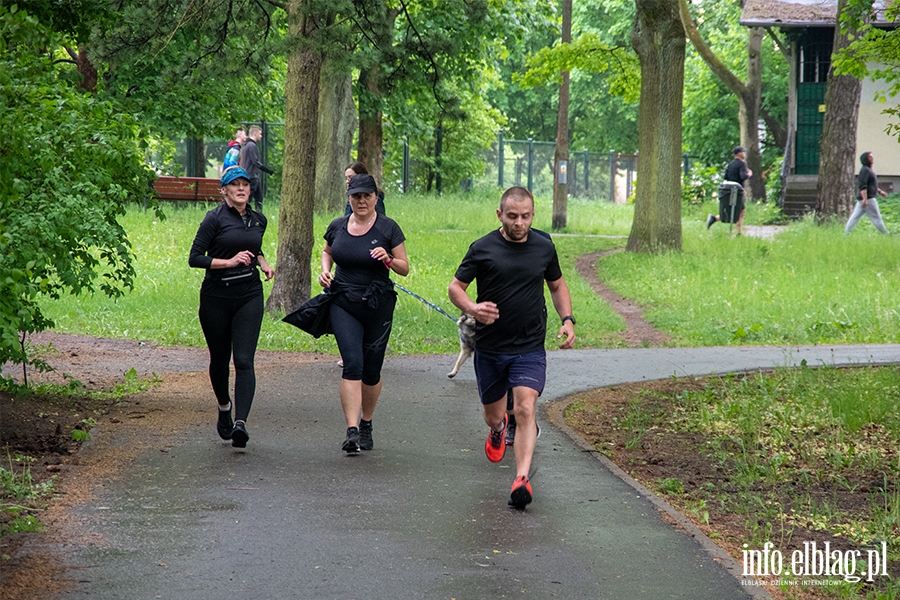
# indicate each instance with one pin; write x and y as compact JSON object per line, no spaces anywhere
{"x":735,"y":173}
{"x":511,"y":265}
{"x":867,"y":186}
{"x":358,"y":168}
{"x":366,"y":247}
{"x":233,"y":155}
{"x":250,"y":162}
{"x":228,"y":245}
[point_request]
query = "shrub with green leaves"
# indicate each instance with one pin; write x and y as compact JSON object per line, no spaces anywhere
{"x":70,"y":162}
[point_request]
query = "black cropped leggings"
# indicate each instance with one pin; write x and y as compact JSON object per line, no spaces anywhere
{"x":362,"y":335}
{"x":231,"y":328}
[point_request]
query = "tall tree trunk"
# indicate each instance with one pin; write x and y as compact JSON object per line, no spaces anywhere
{"x":370,"y":142}
{"x":199,"y":159}
{"x":750,"y":103}
{"x":87,"y":70}
{"x":298,"y":184}
{"x":837,"y":157}
{"x":337,"y":120}
{"x":561,"y":190}
{"x":748,"y":93}
{"x":371,"y":136}
{"x":658,"y":39}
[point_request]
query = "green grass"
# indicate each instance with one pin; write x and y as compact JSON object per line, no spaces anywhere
{"x":811,"y":284}
{"x":20,"y":497}
{"x":784,"y":435}
{"x":163,"y":306}
{"x":788,"y":452}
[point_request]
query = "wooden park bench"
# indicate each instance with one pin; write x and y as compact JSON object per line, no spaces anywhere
{"x":191,"y":189}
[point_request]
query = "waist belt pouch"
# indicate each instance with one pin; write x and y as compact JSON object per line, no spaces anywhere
{"x":233,"y":275}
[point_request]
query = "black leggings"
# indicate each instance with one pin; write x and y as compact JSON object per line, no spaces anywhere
{"x":362,"y":335}
{"x":232,"y":327}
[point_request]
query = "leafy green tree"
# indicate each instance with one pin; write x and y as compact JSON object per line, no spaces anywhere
{"x":415,"y":61}
{"x":190,"y":68}
{"x":70,"y":164}
{"x":605,"y":77}
{"x":748,"y":92}
{"x":874,"y":51}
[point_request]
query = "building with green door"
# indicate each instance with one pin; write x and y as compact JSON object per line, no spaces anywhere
{"x":808,"y":27}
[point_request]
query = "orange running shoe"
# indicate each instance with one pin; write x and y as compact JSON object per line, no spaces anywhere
{"x":520,"y":495}
{"x":494,"y":445}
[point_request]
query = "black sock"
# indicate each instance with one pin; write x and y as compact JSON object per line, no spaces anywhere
{"x":364,"y":422}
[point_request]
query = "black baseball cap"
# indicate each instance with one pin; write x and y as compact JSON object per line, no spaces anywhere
{"x":361,"y":184}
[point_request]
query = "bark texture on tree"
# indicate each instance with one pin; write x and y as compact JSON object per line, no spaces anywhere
{"x":371,"y":141}
{"x":337,"y":120}
{"x":658,"y":39}
{"x":749,"y":104}
{"x":748,"y":94}
{"x":295,"y":222}
{"x":196,"y":163}
{"x":836,"y":187}
{"x":87,"y":70}
{"x":561,"y":190}
{"x":371,"y":136}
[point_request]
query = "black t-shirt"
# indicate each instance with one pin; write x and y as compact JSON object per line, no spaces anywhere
{"x":736,"y":171}
{"x":512,"y":275}
{"x":351,"y":252}
{"x":866,"y":180}
{"x":222,"y":234}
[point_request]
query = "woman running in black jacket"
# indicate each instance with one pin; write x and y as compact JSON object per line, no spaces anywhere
{"x":228,"y":245}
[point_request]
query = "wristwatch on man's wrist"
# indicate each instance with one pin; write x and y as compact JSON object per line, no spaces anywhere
{"x":568,"y":318}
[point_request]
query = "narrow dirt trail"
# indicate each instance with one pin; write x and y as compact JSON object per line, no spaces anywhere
{"x":638,"y":332}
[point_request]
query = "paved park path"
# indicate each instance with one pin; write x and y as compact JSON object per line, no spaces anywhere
{"x":422,"y":516}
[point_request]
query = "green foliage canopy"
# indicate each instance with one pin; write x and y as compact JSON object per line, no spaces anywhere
{"x":70,"y":162}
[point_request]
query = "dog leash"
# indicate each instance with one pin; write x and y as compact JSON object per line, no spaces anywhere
{"x":426,"y":302}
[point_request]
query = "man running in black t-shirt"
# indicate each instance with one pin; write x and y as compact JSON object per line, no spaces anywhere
{"x":511,"y":267}
{"x":735,"y":173}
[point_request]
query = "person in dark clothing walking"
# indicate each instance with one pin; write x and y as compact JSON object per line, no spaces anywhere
{"x":228,"y":245}
{"x":868,"y":190}
{"x":736,"y":173}
{"x":366,"y":247}
{"x":250,"y":162}
{"x":511,"y":265}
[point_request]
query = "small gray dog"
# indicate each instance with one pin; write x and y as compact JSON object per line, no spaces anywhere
{"x":466,"y":325}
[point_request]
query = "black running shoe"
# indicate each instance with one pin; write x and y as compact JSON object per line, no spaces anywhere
{"x":710,"y":220}
{"x":239,"y":435}
{"x":225,"y":424}
{"x":351,"y":444}
{"x":365,"y":435}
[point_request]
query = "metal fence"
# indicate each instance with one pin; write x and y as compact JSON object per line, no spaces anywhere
{"x":602,"y":176}
{"x":607,"y":176}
